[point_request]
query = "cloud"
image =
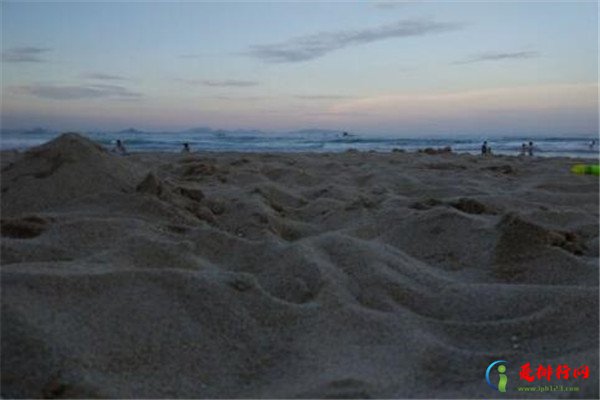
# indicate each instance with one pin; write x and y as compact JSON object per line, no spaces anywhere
{"x":74,"y":92}
{"x":468,"y":104}
{"x":214,"y":83}
{"x":541,"y":109}
{"x":188,"y":81}
{"x":24,"y":54}
{"x":309,"y":47}
{"x":238,"y":98}
{"x":388,"y":5}
{"x":322,"y":97}
{"x":192,"y":56}
{"x":327,"y":114}
{"x":230,"y":83}
{"x":496,"y":56}
{"x":103,"y":77}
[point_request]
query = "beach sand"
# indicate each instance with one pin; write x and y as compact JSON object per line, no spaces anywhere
{"x":293,"y":275}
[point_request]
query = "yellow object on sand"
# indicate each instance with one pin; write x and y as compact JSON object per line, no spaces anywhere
{"x":592,"y":169}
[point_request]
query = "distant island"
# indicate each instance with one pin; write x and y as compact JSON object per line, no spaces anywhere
{"x":201,"y":130}
{"x":131,"y":131}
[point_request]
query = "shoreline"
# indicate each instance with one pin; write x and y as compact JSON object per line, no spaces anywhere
{"x":213,"y":153}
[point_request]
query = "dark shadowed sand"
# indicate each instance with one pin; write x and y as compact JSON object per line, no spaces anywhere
{"x":292,"y":275}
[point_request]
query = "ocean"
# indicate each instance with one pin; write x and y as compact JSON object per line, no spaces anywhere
{"x":205,"y":139}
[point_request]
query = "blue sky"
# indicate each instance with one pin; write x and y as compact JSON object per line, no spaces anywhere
{"x":407,"y":68}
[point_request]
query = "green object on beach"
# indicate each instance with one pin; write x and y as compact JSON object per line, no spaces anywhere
{"x":593,"y":169}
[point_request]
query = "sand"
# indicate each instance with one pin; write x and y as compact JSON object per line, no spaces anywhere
{"x":227,"y":275}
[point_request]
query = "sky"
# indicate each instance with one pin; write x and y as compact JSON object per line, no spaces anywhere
{"x":413,"y":69}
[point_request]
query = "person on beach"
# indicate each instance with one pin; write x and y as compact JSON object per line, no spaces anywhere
{"x":530,"y":148}
{"x":523,"y":149}
{"x":186,"y":148}
{"x":484,"y":148}
{"x":119,"y":148}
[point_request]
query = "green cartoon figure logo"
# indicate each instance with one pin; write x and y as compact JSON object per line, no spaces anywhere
{"x":502,"y":378}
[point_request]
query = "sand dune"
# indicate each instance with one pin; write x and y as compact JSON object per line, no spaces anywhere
{"x":291,"y":275}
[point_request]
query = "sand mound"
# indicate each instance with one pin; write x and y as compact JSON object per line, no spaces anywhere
{"x":61,"y":170}
{"x":473,"y":206}
{"x":355,"y":275}
{"x":528,"y":252}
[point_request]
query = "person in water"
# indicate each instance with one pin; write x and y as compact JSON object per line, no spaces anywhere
{"x":530,"y":148}
{"x":119,"y":148}
{"x":186,"y":148}
{"x":592,"y":145}
{"x":485,"y":149}
{"x":524,"y":149}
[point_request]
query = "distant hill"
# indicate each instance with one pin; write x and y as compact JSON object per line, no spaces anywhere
{"x":33,"y":131}
{"x":38,"y":131}
{"x":221,"y":132}
{"x":130,"y":131}
{"x":201,"y":130}
{"x":316,"y":131}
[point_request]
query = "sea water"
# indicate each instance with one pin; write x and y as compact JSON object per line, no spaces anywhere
{"x":205,"y":139}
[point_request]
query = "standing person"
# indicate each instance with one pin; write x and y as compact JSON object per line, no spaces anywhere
{"x":530,"y":148}
{"x":592,"y":144}
{"x":186,"y":148}
{"x":523,"y":149}
{"x":119,"y":148}
{"x":484,"y":148}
